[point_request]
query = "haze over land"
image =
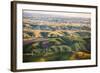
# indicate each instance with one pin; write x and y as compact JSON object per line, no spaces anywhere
{"x":61,"y":13}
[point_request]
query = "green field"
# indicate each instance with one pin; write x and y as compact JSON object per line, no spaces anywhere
{"x":74,"y":46}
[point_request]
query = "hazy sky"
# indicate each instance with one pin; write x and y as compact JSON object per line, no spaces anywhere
{"x":69,"y":14}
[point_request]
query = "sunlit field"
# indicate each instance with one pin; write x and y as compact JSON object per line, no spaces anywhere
{"x":49,"y":37}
